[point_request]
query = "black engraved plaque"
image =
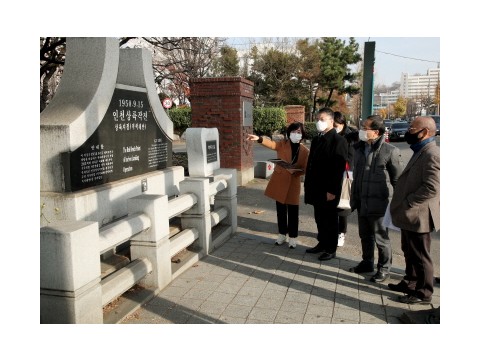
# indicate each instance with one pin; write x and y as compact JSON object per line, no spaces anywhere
{"x":128,"y":142}
{"x":211,"y":151}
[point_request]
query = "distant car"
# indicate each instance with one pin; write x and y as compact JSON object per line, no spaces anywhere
{"x":437,"y":122}
{"x":398,"y":130}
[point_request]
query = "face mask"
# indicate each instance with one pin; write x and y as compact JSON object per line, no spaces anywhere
{"x":338,"y":130}
{"x":412,"y":138}
{"x":321,"y":125}
{"x":295,"y":137}
{"x":362,"y":135}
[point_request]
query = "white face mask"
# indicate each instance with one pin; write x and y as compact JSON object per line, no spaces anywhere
{"x":321,"y":125}
{"x":295,"y":137}
{"x":338,"y":130}
{"x":362,"y":135}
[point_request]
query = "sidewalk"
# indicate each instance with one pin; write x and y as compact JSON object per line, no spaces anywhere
{"x":250,"y":280}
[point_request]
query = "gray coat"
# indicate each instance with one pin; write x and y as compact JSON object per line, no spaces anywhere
{"x":415,"y":203}
{"x":370,"y":192}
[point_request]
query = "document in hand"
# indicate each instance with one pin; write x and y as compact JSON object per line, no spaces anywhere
{"x":291,"y":168}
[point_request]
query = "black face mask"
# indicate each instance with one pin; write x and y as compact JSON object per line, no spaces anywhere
{"x":412,"y":138}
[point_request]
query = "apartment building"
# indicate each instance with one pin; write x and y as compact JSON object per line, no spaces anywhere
{"x":413,"y":87}
{"x":418,"y":86}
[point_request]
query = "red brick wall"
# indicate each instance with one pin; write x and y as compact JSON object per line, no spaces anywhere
{"x":295,"y":113}
{"x":218,"y":103}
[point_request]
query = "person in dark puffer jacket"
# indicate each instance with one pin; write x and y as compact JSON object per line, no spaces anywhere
{"x":376,"y":163}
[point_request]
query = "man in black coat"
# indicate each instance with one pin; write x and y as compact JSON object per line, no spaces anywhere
{"x":323,"y":182}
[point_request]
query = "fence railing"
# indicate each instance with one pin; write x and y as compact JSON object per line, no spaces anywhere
{"x":72,"y":287}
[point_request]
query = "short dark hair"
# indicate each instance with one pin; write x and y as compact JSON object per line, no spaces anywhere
{"x":295,"y":126}
{"x":376,"y":124}
{"x":339,"y":118}
{"x":328,"y":111}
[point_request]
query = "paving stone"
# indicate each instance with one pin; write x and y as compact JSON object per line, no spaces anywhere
{"x":325,"y":310}
{"x":262,"y":314}
{"x":269,"y":303}
{"x":346,"y":314}
{"x":297,"y":297}
{"x":245,"y":300}
{"x":236,"y":311}
{"x":221,"y":297}
{"x":293,"y":306}
{"x":288,"y":317}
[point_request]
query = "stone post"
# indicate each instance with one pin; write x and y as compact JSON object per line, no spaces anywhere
{"x":228,"y":197}
{"x":154,"y":242}
{"x":199,"y":215}
{"x":70,"y":291}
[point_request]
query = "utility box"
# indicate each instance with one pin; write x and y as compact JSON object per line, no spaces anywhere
{"x":263,"y":169}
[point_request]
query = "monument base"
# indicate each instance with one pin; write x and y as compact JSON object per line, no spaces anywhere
{"x":108,"y":202}
{"x":244,"y":176}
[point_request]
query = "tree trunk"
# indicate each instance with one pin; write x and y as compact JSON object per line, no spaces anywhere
{"x":327,"y":103}
{"x":44,"y":84}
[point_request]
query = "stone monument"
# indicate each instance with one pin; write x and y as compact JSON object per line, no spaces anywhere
{"x":203,"y":151}
{"x":105,"y":140}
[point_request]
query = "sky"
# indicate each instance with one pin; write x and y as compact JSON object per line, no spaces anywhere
{"x":393,"y":55}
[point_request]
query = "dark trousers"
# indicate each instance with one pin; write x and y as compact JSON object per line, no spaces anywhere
{"x":372,"y":232}
{"x":418,"y":263}
{"x":287,"y":219}
{"x":342,"y":224}
{"x":326,"y":217}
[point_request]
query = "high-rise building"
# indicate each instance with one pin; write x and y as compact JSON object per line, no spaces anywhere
{"x":419,"y":86}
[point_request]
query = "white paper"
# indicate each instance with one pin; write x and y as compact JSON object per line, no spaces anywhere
{"x":387,"y":220}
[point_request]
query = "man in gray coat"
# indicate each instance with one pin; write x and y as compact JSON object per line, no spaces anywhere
{"x":415,"y":209}
{"x":376,"y":163}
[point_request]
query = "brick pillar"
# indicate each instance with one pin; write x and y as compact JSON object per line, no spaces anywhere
{"x":295,"y":113}
{"x":227,"y":104}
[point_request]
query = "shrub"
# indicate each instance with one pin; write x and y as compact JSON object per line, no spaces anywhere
{"x":310,"y":130}
{"x":181,"y":118}
{"x":268,"y":120}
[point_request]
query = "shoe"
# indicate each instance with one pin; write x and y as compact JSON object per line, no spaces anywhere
{"x":281,"y":239}
{"x":361,"y":268}
{"x":292,"y":243}
{"x":341,"y":239}
{"x":379,"y":277}
{"x":402,"y":287}
{"x":315,"y":250}
{"x":327,"y":256}
{"x":410,"y":299}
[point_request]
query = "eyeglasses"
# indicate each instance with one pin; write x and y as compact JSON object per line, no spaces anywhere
{"x":364,"y":128}
{"x":413,"y":128}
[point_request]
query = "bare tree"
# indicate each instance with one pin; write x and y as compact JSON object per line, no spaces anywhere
{"x":177,"y":60}
{"x":52,"y":59}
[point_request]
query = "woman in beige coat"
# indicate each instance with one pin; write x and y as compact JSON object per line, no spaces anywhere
{"x":284,"y":185}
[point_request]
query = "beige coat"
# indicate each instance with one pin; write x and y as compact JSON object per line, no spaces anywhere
{"x":283,"y":186}
{"x":415,"y":204}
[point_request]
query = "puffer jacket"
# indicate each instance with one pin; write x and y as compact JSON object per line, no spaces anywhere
{"x":370,"y":191}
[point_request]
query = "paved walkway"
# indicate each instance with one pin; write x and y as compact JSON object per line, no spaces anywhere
{"x":250,"y":280}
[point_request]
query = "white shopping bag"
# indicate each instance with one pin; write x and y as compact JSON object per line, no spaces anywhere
{"x":387,"y":220}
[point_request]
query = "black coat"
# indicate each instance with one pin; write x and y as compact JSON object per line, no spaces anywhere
{"x":325,"y":167}
{"x":351,"y":135}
